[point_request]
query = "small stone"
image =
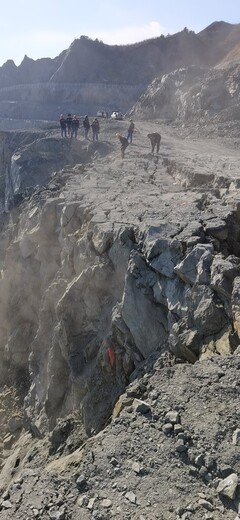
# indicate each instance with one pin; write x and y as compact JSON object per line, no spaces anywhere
{"x":186,"y":516}
{"x":141,"y":406}
{"x":131,"y":497}
{"x":209,"y":461}
{"x":228,"y":486}
{"x":59,"y":515}
{"x":114,"y":461}
{"x":181,"y":447}
{"x":181,"y":436}
{"x":129,"y":409}
{"x":82,"y":501}
{"x":167,"y":428}
{"x":106,"y":503}
{"x":136,"y":468}
{"x":203,"y":471}
{"x":81,"y":482}
{"x":91,"y":503}
{"x":199,"y":460}
{"x":6,"y":495}
{"x":178,"y":429}
{"x":193,"y":471}
{"x":153,"y":395}
{"x":133,"y":390}
{"x":6,"y":504}
{"x":172,"y":417}
{"x":205,"y":504}
{"x":179,"y":511}
{"x":226,"y":470}
{"x":236,"y":437}
{"x":202,"y":495}
{"x":208,"y":477}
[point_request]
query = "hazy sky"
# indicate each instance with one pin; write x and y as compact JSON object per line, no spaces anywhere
{"x":44,"y":28}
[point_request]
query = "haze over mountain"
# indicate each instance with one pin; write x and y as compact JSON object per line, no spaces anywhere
{"x":94,"y":61}
{"x":39,"y":89}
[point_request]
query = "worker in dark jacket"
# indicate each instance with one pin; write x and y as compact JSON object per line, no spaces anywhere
{"x":95,"y":129}
{"x":75,"y":126}
{"x":69,"y":124}
{"x":86,"y":126}
{"x":63,"y":125}
{"x":155,"y":139}
{"x":131,"y":129}
{"x":124,"y":143}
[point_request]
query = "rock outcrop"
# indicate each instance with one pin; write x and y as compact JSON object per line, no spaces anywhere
{"x":113,"y":270}
{"x":201,"y":101}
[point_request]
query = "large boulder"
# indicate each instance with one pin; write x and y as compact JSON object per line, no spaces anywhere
{"x":146,"y":321}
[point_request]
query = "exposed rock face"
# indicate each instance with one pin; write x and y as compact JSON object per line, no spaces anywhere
{"x":112,"y":266}
{"x":46,"y":101}
{"x":203,"y":100}
{"x":88,"y":281}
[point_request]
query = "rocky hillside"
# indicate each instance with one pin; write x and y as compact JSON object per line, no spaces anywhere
{"x":89,"y":61}
{"x":90,"y":74}
{"x":205,"y":101}
{"x":119,"y":327}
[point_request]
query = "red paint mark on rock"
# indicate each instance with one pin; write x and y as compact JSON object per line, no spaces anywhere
{"x":111,"y":356}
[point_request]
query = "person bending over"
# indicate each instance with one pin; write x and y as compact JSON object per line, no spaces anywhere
{"x":155,"y":139}
{"x":124,"y":143}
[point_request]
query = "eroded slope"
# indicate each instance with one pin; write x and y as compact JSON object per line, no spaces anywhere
{"x":132,"y":258}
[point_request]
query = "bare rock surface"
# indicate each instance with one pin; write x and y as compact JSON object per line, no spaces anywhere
{"x":120,"y":331}
{"x":199,"y":101}
{"x":135,"y":466}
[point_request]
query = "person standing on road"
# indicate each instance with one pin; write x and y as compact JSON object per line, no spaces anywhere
{"x":63,"y":126}
{"x":75,"y":126}
{"x":155,"y":139}
{"x":131,"y":129}
{"x":95,"y":129}
{"x":124,"y":144}
{"x":69,"y":124}
{"x":86,"y":126}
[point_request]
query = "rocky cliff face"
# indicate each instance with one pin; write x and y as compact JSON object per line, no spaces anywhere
{"x":204,"y":100}
{"x":108,"y":265}
{"x":46,"y":101}
{"x":80,"y":282}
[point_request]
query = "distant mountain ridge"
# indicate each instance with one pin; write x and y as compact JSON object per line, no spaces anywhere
{"x":92,"y":75}
{"x":91,"y":61}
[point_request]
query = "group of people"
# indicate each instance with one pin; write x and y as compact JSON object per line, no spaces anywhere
{"x":70,"y":126}
{"x":155,"y":139}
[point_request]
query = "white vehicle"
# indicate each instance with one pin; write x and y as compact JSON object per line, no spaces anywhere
{"x":117,"y":115}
